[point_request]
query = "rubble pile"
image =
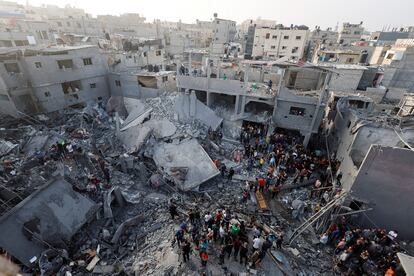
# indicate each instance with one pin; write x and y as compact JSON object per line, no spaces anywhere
{"x":130,"y":231}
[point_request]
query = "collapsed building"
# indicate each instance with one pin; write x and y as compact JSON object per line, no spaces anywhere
{"x":158,"y":143}
{"x":374,"y":148}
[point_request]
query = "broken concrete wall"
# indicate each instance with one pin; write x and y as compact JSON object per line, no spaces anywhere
{"x":346,"y":79}
{"x":385,"y":182}
{"x":189,"y":107}
{"x":52,"y":214}
{"x":285,"y":119}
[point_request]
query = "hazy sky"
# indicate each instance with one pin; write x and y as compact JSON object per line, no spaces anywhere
{"x":325,"y":13}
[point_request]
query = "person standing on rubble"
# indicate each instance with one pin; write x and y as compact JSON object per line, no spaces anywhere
{"x":262,"y":183}
{"x":231,"y":173}
{"x":186,"y":249}
{"x":179,"y":235}
{"x":279,"y":241}
{"x":204,"y":258}
{"x":229,"y":244}
{"x":173,"y":210}
{"x":223,"y":170}
{"x":244,"y":251}
{"x":236,"y":245}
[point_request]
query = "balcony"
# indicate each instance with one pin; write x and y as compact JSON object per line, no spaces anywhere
{"x":225,"y":86}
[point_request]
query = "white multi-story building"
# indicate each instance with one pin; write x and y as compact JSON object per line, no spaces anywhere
{"x":350,"y":33}
{"x":281,"y":42}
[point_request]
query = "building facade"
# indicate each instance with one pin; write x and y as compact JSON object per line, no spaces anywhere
{"x":281,"y":42}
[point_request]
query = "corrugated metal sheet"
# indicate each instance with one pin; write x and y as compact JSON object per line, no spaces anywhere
{"x":6,"y":147}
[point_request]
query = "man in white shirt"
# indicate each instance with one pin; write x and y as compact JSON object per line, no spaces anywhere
{"x":257,"y":243}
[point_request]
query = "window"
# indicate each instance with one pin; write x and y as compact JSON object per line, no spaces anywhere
{"x":65,"y":63}
{"x":272,"y":47}
{"x":158,"y":53}
{"x":12,"y":67}
{"x":284,"y":47}
{"x":286,"y":37}
{"x":47,"y":94}
{"x":357,"y":32}
{"x":390,"y":56}
{"x":4,"y":97}
{"x":267,"y":36}
{"x":78,"y":25}
{"x":92,"y":85}
{"x":356,"y":104}
{"x":44,"y":35}
{"x":71,"y":86}
{"x":271,"y":56}
{"x":6,"y":43}
{"x":68,"y":24}
{"x":298,"y":37}
{"x":21,"y":42}
{"x":38,"y":64}
{"x":59,"y":24}
{"x":295,"y":49}
{"x":87,"y":61}
{"x":349,"y":60}
{"x":164,"y":78}
{"x":274,"y":37}
{"x":145,"y":54}
{"x":118,"y":83}
{"x":297,"y":111}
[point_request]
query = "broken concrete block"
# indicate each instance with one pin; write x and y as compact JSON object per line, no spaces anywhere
{"x":103,"y":269}
{"x":93,"y":263}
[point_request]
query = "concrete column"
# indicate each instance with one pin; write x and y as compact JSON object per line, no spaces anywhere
{"x":236,"y":107}
{"x":190,"y":69}
{"x":243,"y":105}
{"x":306,"y":139}
{"x":193,"y":100}
{"x":208,"y":98}
{"x":246,"y":75}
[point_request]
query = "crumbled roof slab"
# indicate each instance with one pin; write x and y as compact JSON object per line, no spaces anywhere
{"x":190,"y":155}
{"x":54,"y":213}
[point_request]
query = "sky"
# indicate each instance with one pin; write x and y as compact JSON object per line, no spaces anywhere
{"x":325,"y":13}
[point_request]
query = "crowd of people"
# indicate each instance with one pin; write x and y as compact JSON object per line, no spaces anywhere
{"x":276,"y":160}
{"x":363,"y":251}
{"x":222,"y":234}
{"x":280,"y":159}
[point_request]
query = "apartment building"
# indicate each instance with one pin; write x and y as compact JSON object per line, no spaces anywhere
{"x":280,"y":42}
{"x":350,"y":33}
{"x":320,"y":38}
{"x":38,"y":79}
{"x":224,"y":32}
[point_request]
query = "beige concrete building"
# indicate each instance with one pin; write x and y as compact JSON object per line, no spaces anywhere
{"x":350,"y":33}
{"x":281,"y":42}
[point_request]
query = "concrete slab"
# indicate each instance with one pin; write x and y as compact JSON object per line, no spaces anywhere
{"x":131,"y":104}
{"x":6,"y":147}
{"x":37,"y":142}
{"x":52,"y":214}
{"x":188,"y":107}
{"x":190,"y":155}
{"x":134,"y":137}
{"x":136,"y":117}
{"x":161,"y":128}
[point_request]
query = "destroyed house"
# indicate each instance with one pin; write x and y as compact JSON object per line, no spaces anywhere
{"x":50,"y":216}
{"x":355,"y":128}
{"x":383,"y":189}
{"x":50,"y":79}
